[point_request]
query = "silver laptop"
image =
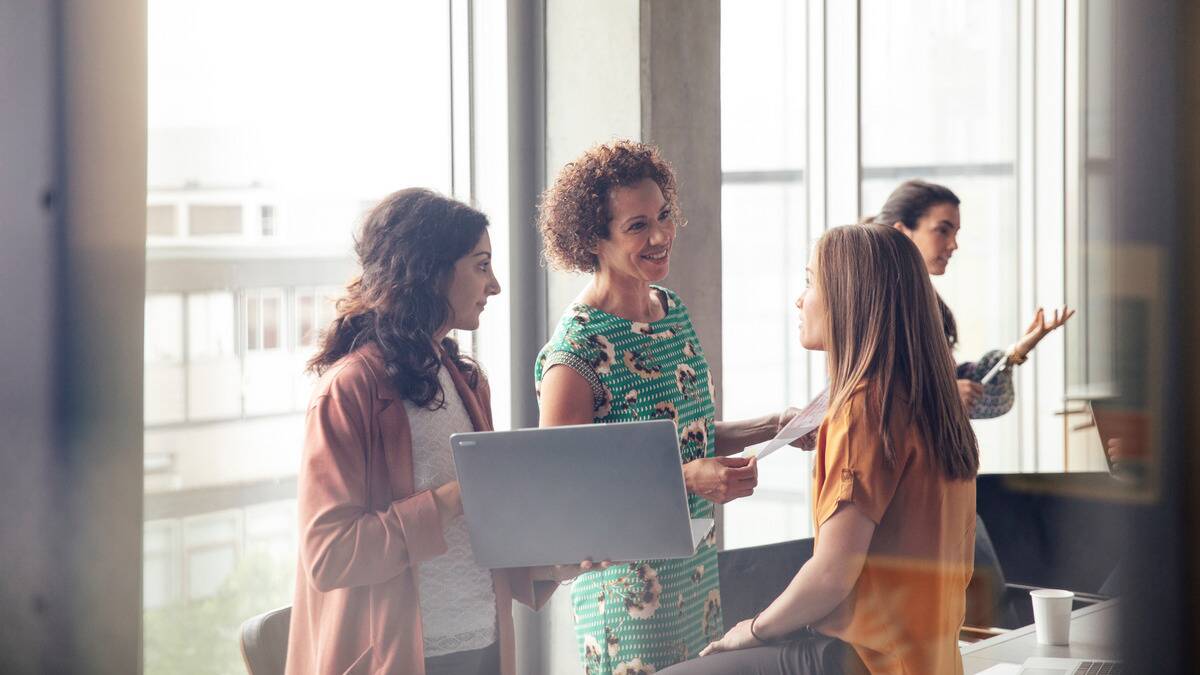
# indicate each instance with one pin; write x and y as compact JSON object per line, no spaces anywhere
{"x":1052,"y":666}
{"x":564,"y":494}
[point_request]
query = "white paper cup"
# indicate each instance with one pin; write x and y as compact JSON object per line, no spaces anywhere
{"x":1052,"y":615}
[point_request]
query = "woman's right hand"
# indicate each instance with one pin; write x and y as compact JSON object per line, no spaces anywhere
{"x":448,"y":498}
{"x":721,"y":479}
{"x":969,"y":392}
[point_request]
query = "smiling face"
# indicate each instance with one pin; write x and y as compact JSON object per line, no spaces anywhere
{"x":814,"y":317}
{"x":936,"y":236}
{"x":640,"y":234}
{"x":472,"y":283}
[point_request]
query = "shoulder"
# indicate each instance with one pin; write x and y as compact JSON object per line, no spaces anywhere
{"x":577,"y":324}
{"x":858,"y":408}
{"x":482,"y":389}
{"x":357,"y":375}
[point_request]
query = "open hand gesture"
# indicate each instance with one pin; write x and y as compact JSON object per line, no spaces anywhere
{"x":1040,"y":327}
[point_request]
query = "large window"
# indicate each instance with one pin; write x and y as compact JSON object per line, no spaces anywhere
{"x":272,"y":127}
{"x":765,"y":240}
{"x":827,"y":107}
{"x":939,"y":92}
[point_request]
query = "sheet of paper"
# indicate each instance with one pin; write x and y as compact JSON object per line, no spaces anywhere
{"x":1003,"y":669}
{"x":804,"y":423}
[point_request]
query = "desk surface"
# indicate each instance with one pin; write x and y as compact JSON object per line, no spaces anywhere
{"x":1093,"y":636}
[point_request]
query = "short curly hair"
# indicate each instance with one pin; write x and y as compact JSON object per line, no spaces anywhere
{"x":574,"y":212}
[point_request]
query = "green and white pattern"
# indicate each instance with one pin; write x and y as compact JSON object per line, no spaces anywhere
{"x":644,"y":616}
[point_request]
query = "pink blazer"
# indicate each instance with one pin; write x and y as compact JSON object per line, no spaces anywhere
{"x":363,"y":530}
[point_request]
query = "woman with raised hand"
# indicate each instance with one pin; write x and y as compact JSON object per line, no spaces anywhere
{"x":386,"y":581}
{"x":927,"y":213}
{"x":893,"y":481}
{"x":626,"y":350}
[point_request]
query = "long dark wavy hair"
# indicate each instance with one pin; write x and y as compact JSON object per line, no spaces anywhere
{"x":407,"y":248}
{"x":907,"y":204}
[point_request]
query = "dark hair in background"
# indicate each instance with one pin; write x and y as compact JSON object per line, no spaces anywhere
{"x":911,"y":200}
{"x":407,"y":248}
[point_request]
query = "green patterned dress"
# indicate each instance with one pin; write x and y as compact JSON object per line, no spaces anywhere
{"x":642,"y":617}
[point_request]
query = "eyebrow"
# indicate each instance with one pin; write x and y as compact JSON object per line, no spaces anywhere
{"x":950,"y":224}
{"x":487,"y":253}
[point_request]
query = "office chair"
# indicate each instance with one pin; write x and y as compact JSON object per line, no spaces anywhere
{"x":752,"y":577}
{"x":264,"y":641}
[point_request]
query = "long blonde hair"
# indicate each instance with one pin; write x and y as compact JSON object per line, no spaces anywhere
{"x":884,"y":329}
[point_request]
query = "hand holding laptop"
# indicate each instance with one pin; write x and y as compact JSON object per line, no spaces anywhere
{"x":568,"y":572}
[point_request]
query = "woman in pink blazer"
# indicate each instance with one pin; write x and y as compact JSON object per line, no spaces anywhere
{"x":386,"y":581}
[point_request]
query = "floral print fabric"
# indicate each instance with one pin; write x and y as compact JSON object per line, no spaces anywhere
{"x":638,"y":618}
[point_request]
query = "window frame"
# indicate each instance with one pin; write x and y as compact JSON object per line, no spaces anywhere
{"x":834,"y":176}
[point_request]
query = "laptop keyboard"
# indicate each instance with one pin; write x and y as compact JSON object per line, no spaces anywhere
{"x":1099,"y":668}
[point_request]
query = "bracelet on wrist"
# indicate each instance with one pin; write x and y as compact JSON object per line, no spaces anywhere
{"x":1016,"y":358}
{"x":755,"y":635}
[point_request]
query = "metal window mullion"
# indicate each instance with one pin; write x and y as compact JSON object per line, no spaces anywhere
{"x":462,"y":126}
{"x":1025,"y":179}
{"x":186,"y":356}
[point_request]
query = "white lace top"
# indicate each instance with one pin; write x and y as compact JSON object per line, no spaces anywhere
{"x":458,"y":603}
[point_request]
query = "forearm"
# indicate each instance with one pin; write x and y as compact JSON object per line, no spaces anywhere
{"x":815,"y":591}
{"x":349,"y":545}
{"x":734,"y":436}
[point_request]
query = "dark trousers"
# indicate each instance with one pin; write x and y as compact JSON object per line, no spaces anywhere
{"x":806,"y":653}
{"x":484,"y":661}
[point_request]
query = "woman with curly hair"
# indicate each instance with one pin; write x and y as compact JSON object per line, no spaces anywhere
{"x":386,"y":581}
{"x":626,"y":350}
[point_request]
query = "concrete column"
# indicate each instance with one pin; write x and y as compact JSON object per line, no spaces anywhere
{"x":681,"y":114}
{"x":593,"y":95}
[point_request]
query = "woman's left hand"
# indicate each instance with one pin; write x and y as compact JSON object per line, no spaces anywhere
{"x":568,"y":572}
{"x":738,"y":637}
{"x":1040,"y":328}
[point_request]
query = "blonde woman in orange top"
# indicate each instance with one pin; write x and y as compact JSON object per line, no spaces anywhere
{"x":893,"y":485}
